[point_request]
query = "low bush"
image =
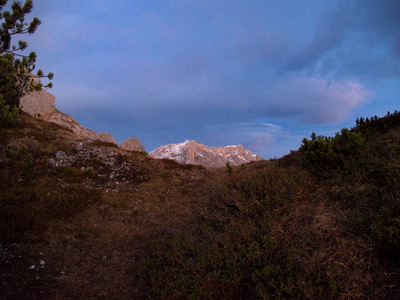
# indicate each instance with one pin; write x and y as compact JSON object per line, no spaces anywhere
{"x":8,"y":114}
{"x":323,"y":154}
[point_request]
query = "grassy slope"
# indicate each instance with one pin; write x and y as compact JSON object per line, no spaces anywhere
{"x":89,"y":237}
{"x":276,"y":229}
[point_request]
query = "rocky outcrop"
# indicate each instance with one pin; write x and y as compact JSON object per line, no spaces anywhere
{"x":194,"y":153}
{"x":69,"y":122}
{"x":106,"y":137}
{"x":41,"y":104}
{"x":132,"y":144}
{"x":110,"y":165}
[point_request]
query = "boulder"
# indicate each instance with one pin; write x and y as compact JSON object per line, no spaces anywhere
{"x":132,"y":144}
{"x":39,"y":104}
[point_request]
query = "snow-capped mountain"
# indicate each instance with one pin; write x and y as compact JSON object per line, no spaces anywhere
{"x":191,"y":152}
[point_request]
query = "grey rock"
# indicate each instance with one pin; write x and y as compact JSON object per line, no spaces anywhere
{"x":52,"y":162}
{"x":60,"y":155}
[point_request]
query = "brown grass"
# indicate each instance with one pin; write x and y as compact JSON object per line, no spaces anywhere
{"x":269,"y":229}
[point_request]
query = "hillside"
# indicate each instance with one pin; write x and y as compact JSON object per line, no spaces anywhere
{"x":83,"y":219}
{"x":76,"y":215}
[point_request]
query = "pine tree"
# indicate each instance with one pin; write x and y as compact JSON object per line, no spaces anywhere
{"x":16,"y":69}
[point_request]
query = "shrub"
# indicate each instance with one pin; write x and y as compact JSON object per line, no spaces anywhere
{"x":368,"y":181}
{"x":229,"y":168}
{"x":323,"y":153}
{"x":378,"y":125}
{"x":8,"y":114}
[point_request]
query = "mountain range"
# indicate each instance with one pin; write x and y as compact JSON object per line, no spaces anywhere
{"x":191,"y":152}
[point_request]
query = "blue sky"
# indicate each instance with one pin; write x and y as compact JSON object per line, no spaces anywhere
{"x":263,"y":74}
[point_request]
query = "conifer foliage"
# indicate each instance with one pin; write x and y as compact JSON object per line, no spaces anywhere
{"x":16,"y":68}
{"x":325,"y":153}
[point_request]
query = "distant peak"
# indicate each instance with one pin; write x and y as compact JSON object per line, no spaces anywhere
{"x":191,"y":152}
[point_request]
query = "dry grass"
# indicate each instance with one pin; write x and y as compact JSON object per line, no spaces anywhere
{"x":97,"y":251}
{"x":267,"y":230}
{"x":89,"y":251}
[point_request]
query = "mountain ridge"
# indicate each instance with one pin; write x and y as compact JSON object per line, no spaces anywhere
{"x":41,"y":105}
{"x":192,"y":152}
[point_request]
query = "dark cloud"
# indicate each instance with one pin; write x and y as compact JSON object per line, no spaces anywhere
{"x":348,"y":29}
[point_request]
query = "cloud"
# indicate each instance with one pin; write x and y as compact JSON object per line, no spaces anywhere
{"x":302,"y":100}
{"x":351,"y":38}
{"x":315,"y":100}
{"x":274,"y":47}
{"x":212,"y":77}
{"x":329,"y":34}
{"x":272,"y":126}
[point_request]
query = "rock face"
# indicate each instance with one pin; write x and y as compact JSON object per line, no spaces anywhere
{"x":41,"y":104}
{"x":106,"y":137}
{"x":132,"y":144}
{"x":194,"y":153}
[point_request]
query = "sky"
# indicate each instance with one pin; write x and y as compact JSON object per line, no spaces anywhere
{"x":264,"y":74}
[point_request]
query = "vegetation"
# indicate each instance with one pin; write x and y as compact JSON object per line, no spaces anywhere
{"x":8,"y":115}
{"x":322,"y":222}
{"x":16,"y":68}
{"x":229,"y":168}
{"x":323,"y":153}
